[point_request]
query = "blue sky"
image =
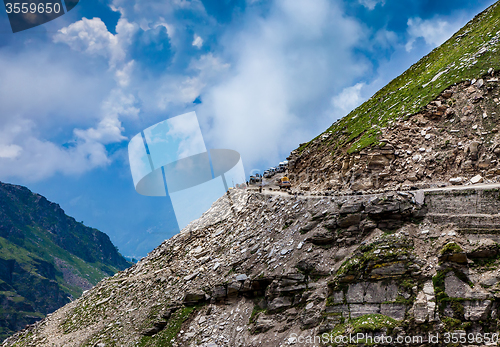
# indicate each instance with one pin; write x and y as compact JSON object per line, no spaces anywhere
{"x":266,"y":76}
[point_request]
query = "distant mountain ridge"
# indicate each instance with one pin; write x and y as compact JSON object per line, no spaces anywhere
{"x":46,"y":257}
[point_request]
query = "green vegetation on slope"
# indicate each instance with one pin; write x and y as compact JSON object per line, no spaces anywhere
{"x":469,"y":54}
{"x":46,"y":258}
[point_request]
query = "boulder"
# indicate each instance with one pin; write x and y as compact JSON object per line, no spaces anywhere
{"x":456,"y":180}
{"x":477,"y":310}
{"x":476,"y":179}
{"x":310,"y":226}
{"x":219,"y":292}
{"x":473,"y":149}
{"x":193,"y":298}
{"x":351,"y":208}
{"x":279,"y":303}
{"x":262,"y":324}
{"x":381,"y":207}
{"x":233,"y":288}
{"x":321,"y":238}
{"x":351,"y":219}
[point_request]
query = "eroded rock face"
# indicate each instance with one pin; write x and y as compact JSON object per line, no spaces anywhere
{"x":424,"y":307}
{"x":281,"y":265}
{"x":454,"y":140}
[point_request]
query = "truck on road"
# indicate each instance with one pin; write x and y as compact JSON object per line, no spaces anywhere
{"x":284,"y":182}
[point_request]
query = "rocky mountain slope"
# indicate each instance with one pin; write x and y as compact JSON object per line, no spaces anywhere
{"x":367,"y":256}
{"x":437,"y":121}
{"x":46,"y":257}
{"x":281,"y":267}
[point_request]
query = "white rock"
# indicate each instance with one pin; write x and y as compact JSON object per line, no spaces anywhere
{"x":423,"y":132}
{"x":476,"y":179}
{"x":417,"y":157}
{"x":241,"y":277}
{"x":309,"y":306}
{"x":428,"y":136}
{"x":425,"y":231}
{"x":191,"y":276}
{"x":421,"y":149}
{"x":452,"y":233}
{"x":474,"y":127}
{"x":299,"y":246}
{"x":456,"y":180}
{"x":216,"y":266}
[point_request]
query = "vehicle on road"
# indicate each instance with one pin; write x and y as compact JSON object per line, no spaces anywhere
{"x":255,"y":178}
{"x":267,"y":174}
{"x":283,"y":165}
{"x":284,"y":182}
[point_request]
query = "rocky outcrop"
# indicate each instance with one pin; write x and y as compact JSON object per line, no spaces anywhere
{"x":374,"y":263}
{"x":453,"y":140}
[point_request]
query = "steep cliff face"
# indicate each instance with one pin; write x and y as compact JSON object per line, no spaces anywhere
{"x":453,"y":140}
{"x":282,"y":268}
{"x":437,"y":121}
{"x":46,"y":257}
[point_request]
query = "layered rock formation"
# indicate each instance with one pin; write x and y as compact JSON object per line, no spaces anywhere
{"x":279,"y":267}
{"x":454,"y":139}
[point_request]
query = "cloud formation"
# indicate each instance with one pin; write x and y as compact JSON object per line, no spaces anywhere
{"x":284,"y":70}
{"x":371,"y":4}
{"x":434,"y":31}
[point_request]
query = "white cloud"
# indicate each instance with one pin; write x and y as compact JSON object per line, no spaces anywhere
{"x":10,"y":151}
{"x":371,"y":4}
{"x":47,"y":101}
{"x":349,"y":98}
{"x":385,"y":38}
{"x":92,"y":37}
{"x":181,"y":89}
{"x":24,"y":154}
{"x":284,"y":70}
{"x":434,"y":31}
{"x":198,"y":41}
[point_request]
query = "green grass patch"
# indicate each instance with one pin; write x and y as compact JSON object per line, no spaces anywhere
{"x":451,"y":248}
{"x":168,"y":335}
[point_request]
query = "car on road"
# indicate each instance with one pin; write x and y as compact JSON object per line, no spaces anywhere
{"x":284,"y":182}
{"x":268,"y":174}
{"x":255,"y":179}
{"x":283,"y":165}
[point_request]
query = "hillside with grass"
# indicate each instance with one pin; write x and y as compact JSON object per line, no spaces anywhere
{"x":434,"y":125}
{"x":47,"y":258}
{"x":468,"y":54}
